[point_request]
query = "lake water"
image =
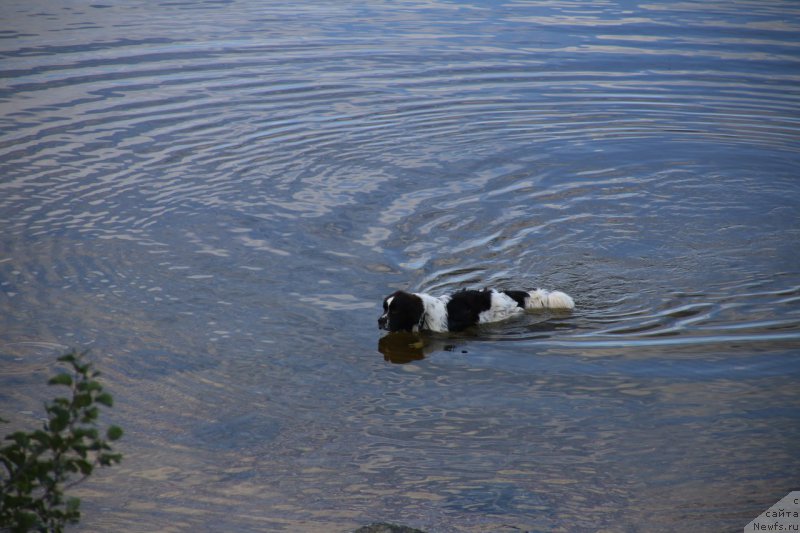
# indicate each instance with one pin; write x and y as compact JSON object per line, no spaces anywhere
{"x":215,"y":197}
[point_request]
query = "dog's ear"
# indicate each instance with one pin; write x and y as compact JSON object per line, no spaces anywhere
{"x":387,"y":302}
{"x":405,"y":311}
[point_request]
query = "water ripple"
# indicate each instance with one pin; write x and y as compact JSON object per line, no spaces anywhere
{"x":219,"y":194}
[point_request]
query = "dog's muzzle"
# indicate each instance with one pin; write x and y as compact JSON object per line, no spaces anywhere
{"x":383,"y":322}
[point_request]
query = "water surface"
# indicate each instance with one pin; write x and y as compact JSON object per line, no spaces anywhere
{"x":216,"y":196}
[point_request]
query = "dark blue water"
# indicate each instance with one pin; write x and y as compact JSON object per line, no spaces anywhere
{"x":215,"y":197}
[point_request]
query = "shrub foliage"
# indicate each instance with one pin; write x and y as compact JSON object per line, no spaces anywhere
{"x":37,"y":467}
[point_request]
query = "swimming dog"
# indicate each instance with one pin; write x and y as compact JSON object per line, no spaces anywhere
{"x":405,"y":311}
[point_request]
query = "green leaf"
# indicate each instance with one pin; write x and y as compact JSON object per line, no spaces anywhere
{"x":42,"y":437}
{"x":73,"y":504}
{"x":107,"y":459}
{"x":105,"y":399}
{"x":61,"y":379}
{"x":16,"y":457}
{"x":114,"y":433}
{"x":80,"y":449}
{"x":82,"y":400}
{"x":59,"y":421}
{"x":57,"y":442}
{"x":85,"y":467}
{"x":20,"y":437}
{"x":89,"y":386}
{"x":67,"y":358}
{"x":90,"y":415}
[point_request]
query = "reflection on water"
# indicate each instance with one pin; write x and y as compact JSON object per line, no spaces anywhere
{"x":215,"y":197}
{"x":401,"y":348}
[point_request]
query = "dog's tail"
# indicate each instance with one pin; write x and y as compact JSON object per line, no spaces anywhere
{"x":544,"y":299}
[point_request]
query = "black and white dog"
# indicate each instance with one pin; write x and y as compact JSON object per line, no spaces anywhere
{"x":404,"y":311}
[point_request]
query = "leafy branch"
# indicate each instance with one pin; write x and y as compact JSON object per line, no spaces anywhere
{"x":36,"y":467}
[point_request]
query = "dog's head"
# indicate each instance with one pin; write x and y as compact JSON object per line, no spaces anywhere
{"x":402,"y":311}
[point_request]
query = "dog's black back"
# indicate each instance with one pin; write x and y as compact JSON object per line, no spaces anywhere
{"x":517,"y":296}
{"x":465,"y":306}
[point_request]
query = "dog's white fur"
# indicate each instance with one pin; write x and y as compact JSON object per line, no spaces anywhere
{"x":544,"y":299}
{"x":435,"y":311}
